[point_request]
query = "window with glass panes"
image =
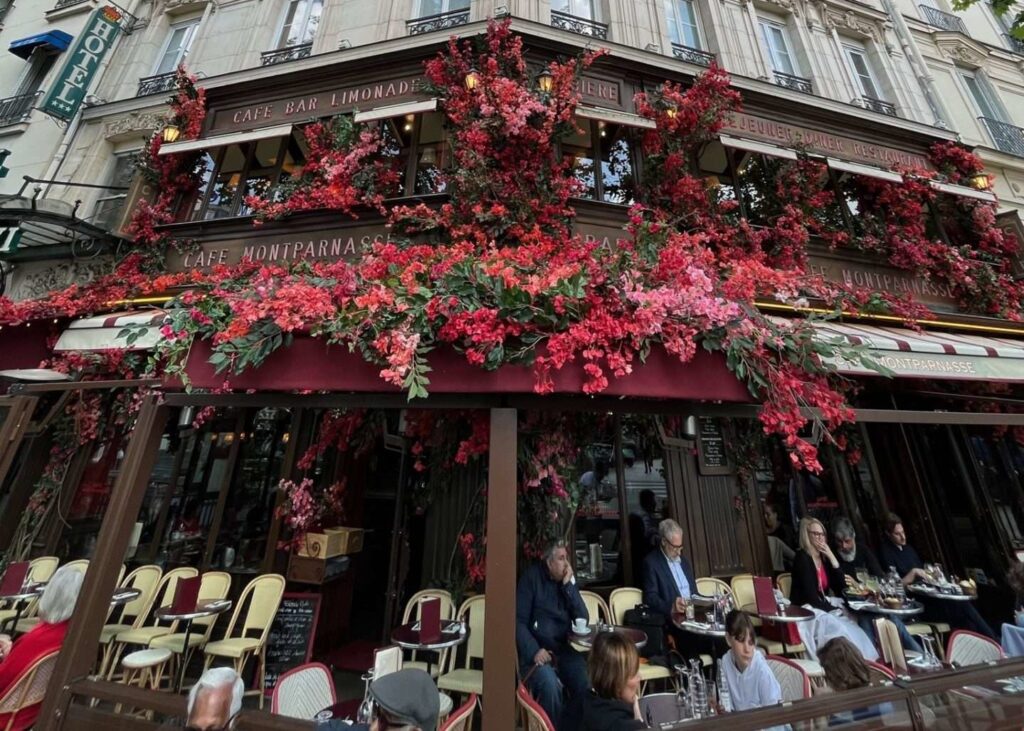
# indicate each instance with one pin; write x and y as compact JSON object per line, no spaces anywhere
{"x":419,"y":148}
{"x":110,"y":205}
{"x":984,"y":98}
{"x":426,"y":8}
{"x":300,"y":22}
{"x":863,"y":74}
{"x":579,"y":8}
{"x":683,"y":26}
{"x":602,"y":156}
{"x":179,"y":41}
{"x":776,"y":43}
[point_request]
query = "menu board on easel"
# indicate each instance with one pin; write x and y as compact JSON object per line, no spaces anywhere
{"x":290,"y":643}
{"x":712,"y":453}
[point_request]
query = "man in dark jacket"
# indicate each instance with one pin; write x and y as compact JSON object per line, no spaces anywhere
{"x":547,"y":602}
{"x":896,"y":552}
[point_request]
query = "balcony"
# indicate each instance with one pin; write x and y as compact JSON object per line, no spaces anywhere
{"x":156,"y":84}
{"x":15,"y":109}
{"x":796,"y":83}
{"x":61,"y":4}
{"x":283,"y":55}
{"x":692,"y":55}
{"x":441,"y":21}
{"x":877,"y":105}
{"x":942,"y":20}
{"x":1007,"y":137}
{"x":583,"y":26}
{"x":1014,"y":44}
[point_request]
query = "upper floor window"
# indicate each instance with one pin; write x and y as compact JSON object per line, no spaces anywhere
{"x":39,"y":65}
{"x":579,"y":8}
{"x":780,"y":51}
{"x":426,"y":8}
{"x":984,"y":98}
{"x":603,"y":160}
{"x":863,"y":73}
{"x":110,"y":206}
{"x":176,"y":49}
{"x":300,"y":22}
{"x":683,"y":25}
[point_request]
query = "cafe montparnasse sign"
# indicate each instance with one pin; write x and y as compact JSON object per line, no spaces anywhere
{"x":69,"y":90}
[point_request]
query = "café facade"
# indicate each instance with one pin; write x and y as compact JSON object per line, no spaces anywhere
{"x":204,"y":492}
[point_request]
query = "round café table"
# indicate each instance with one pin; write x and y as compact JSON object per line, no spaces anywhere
{"x":20,"y":601}
{"x":697,"y":627}
{"x":931,"y":592}
{"x":908,"y":609}
{"x":637,"y":636}
{"x":790,"y":613}
{"x":124,"y":595}
{"x":662,"y":708}
{"x":408,"y":638}
{"x":203,"y":609}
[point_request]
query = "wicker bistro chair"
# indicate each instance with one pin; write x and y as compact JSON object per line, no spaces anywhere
{"x":215,"y":585}
{"x":303,"y":691}
{"x":462,"y":719}
{"x":597,"y":608}
{"x":29,"y":689}
{"x":30,"y":619}
{"x":412,"y":614}
{"x":148,"y":580}
{"x":707,"y":585}
{"x":620,"y":601}
{"x":534,"y":717}
{"x":879,"y":673}
{"x":39,"y":570}
{"x":970,"y":648}
{"x":743,"y":594}
{"x":261,"y":597}
{"x":140,"y":633}
{"x":464,"y":678}
{"x":792,"y":679}
{"x":785,"y":582}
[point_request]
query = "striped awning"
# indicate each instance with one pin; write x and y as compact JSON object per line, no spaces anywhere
{"x":946,"y":356}
{"x":115,"y":331}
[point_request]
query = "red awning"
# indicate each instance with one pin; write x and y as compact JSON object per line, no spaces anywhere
{"x":24,"y":347}
{"x":309,"y":364}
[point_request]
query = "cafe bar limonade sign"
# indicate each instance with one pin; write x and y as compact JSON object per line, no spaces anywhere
{"x":69,"y":89}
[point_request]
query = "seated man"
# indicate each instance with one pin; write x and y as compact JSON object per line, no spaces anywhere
{"x":407,"y":699}
{"x":854,"y":556}
{"x":547,"y":602}
{"x":895,"y":551}
{"x":56,"y":606}
{"x":215,"y":700}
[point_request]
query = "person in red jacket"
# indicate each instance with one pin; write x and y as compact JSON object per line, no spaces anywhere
{"x":55,"y":608}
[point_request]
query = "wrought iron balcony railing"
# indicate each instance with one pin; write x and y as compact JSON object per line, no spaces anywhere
{"x":441,"y":21}
{"x":583,"y":26}
{"x":943,"y":20}
{"x":1015,"y":44}
{"x":156,"y":84}
{"x":16,"y":109}
{"x":796,"y":83}
{"x":61,"y":4}
{"x":1007,"y":137}
{"x":877,"y":105}
{"x":692,"y":55}
{"x":283,"y":55}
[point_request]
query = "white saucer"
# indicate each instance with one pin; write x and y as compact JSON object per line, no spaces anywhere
{"x":581,"y":633}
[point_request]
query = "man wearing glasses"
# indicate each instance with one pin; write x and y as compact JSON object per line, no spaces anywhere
{"x":669,"y":583}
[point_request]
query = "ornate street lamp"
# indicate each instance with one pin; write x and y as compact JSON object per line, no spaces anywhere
{"x":171,"y":133}
{"x":472,"y":79}
{"x":545,"y":81}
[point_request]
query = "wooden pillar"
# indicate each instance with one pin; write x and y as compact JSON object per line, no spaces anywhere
{"x":500,"y":627}
{"x":78,"y":654}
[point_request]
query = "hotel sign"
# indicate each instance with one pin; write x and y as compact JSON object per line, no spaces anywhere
{"x":823,"y":143}
{"x":91,"y":47}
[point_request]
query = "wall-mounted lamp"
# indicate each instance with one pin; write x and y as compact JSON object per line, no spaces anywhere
{"x":171,"y":133}
{"x":545,"y":81}
{"x":472,"y":79}
{"x":981,"y":181}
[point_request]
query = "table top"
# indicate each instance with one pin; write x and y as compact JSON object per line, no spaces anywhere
{"x":933,"y":593}
{"x":698,"y":626}
{"x":408,"y":638}
{"x":788,"y":613}
{"x":123,"y":596}
{"x":661,"y":708}
{"x":637,"y":636}
{"x":27,"y":592}
{"x":203,"y":609}
{"x":909,"y":609}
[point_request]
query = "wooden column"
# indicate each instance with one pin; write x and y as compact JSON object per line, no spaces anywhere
{"x":500,"y":627}
{"x":78,"y":654}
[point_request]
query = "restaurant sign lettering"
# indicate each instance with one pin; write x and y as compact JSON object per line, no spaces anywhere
{"x":880,"y":278}
{"x":69,"y":89}
{"x":938,"y":365}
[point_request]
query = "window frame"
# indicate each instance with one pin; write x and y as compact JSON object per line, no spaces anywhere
{"x":280,"y":43}
{"x":39,"y":65}
{"x":672,"y":18}
{"x":239,"y":195}
{"x":112,"y":179}
{"x":192,"y":26}
{"x":594,"y":14}
{"x":790,"y":51}
{"x":446,"y":7}
{"x":851,"y":48}
{"x":597,"y":150}
{"x":988,"y":94}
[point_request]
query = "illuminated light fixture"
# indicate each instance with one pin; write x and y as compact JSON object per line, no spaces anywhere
{"x":671,"y":112}
{"x":545,"y":82}
{"x":980,"y":182}
{"x":472,"y":79}
{"x":171,"y":133}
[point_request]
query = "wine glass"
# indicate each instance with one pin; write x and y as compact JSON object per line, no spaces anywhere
{"x":365,"y":712}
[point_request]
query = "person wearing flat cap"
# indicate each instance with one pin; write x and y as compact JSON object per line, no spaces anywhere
{"x":407,"y":699}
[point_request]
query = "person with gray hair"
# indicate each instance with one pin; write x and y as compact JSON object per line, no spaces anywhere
{"x":668,"y":576}
{"x":56,"y":606}
{"x":215,"y":700}
{"x":547,"y":603}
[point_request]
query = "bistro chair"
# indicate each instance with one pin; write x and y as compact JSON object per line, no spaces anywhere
{"x":621,"y":601}
{"x":743,"y":594}
{"x":709,"y":586}
{"x":29,"y":619}
{"x":264,"y":597}
{"x":412,"y":614}
{"x":28,"y":690}
{"x":794,"y":682}
{"x":39,"y":570}
{"x":534,"y":717}
{"x":145,"y":668}
{"x":140,"y":633}
{"x":215,"y":585}
{"x":889,"y":642}
{"x":785,"y":582}
{"x":597,"y":608}
{"x":462,"y":719}
{"x":303,"y":691}
{"x":879,"y":673}
{"x":466,"y":679}
{"x":148,"y":580}
{"x":970,"y":648}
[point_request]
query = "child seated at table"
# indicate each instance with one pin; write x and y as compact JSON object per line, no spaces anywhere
{"x":750,"y":681}
{"x":845,"y":669}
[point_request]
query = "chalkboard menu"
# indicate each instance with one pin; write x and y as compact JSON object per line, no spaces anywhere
{"x":291,"y":636}
{"x":712,"y":455}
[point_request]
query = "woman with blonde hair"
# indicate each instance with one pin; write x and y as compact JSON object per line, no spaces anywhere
{"x":817,"y":580}
{"x":614,"y":670}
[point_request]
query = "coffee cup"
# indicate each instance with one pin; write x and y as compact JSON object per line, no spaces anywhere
{"x":579,"y":624}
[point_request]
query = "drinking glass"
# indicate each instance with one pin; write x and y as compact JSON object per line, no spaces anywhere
{"x":862,"y":577}
{"x":365,"y":712}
